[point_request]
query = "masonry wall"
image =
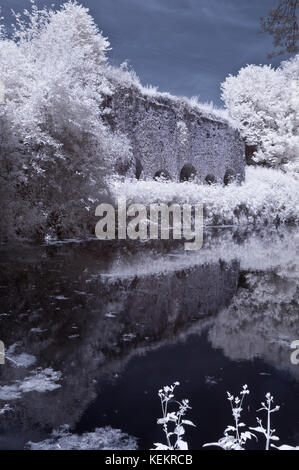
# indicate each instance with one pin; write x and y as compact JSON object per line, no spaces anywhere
{"x":167,"y":133}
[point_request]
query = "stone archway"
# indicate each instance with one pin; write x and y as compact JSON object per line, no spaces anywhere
{"x":162,"y":175}
{"x":229,"y":177}
{"x":188,"y":173}
{"x":210,"y":179}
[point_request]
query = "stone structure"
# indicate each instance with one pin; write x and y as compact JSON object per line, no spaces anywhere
{"x":171,"y":138}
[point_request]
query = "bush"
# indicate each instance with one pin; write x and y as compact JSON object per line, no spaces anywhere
{"x":56,"y":149}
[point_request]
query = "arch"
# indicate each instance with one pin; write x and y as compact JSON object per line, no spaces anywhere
{"x":138,"y":169}
{"x":229,"y":177}
{"x":210,"y":179}
{"x":162,"y":175}
{"x":188,"y":173}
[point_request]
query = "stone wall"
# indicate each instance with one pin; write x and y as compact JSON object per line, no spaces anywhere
{"x":168,"y":135}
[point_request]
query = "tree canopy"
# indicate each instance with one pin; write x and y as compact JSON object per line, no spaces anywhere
{"x":282,"y":24}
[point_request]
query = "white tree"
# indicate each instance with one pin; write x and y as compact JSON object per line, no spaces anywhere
{"x":264,"y":103}
{"x":56,"y":147}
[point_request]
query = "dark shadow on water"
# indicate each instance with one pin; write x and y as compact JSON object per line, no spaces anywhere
{"x":130,"y":401}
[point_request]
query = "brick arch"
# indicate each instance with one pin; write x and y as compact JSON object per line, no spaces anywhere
{"x":210,"y":179}
{"x":229,"y":177}
{"x":162,"y":175}
{"x":188,"y":173}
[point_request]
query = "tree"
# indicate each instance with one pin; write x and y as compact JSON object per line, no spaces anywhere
{"x":282,"y":24}
{"x":264,"y":103}
{"x":56,"y":149}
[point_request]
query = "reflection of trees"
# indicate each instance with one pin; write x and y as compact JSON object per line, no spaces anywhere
{"x":76,"y":316}
{"x":263,"y":318}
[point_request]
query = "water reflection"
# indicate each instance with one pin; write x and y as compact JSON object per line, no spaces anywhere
{"x":74,"y":314}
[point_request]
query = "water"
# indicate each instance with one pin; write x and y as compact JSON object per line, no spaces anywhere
{"x":93,"y":329}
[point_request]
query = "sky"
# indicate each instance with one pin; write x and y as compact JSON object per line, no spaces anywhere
{"x":185,"y":47}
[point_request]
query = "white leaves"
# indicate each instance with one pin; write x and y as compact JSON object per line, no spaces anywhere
{"x":100,"y":439}
{"x":53,"y":70}
{"x":259,"y":429}
{"x":161,"y":446}
{"x":285,"y":447}
{"x":176,"y":417}
{"x":182,"y":445}
{"x":172,"y":417}
{"x":265,"y":195}
{"x":233,"y":438}
{"x":229,"y":428}
{"x":162,"y":420}
{"x":247,"y":435}
{"x":268,"y":433}
{"x":261,"y":101}
{"x":235,"y":441}
{"x":179,"y":430}
{"x":226,"y":443}
{"x":189,"y":423}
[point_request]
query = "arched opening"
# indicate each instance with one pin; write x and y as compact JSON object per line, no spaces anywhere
{"x":162,"y":175}
{"x":249,"y":154}
{"x":188,"y":173}
{"x":229,"y":177}
{"x":138,"y":169}
{"x":210,"y":179}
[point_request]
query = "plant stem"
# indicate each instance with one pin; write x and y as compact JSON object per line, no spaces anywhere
{"x":268,"y":427}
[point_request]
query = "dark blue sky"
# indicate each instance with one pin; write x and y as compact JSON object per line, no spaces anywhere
{"x":186,"y":47}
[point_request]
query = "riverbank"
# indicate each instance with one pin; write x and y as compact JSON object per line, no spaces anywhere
{"x":266,"y":197}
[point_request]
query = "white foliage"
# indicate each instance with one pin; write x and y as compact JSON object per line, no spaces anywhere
{"x":126,"y":77}
{"x":100,"y":439}
{"x":264,"y":103}
{"x":39,"y":380}
{"x":266,"y":196}
{"x":267,"y":432}
{"x":56,"y":148}
{"x":174,"y":439}
{"x":235,"y":436}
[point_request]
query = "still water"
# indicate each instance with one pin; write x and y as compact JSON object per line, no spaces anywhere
{"x":93,"y":329}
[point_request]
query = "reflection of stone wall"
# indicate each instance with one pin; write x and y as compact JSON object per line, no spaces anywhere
{"x":77,"y":321}
{"x":167,"y":134}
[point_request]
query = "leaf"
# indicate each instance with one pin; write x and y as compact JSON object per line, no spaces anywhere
{"x":229,"y":428}
{"x":274,"y":438}
{"x":182,"y":445}
{"x":163,"y":420}
{"x":285,"y":447}
{"x":189,"y":423}
{"x":259,"y":429}
{"x":212,"y":444}
{"x":172,"y":417}
{"x":247,"y":435}
{"x":161,"y":447}
{"x":179,"y":430}
{"x":226,"y":443}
